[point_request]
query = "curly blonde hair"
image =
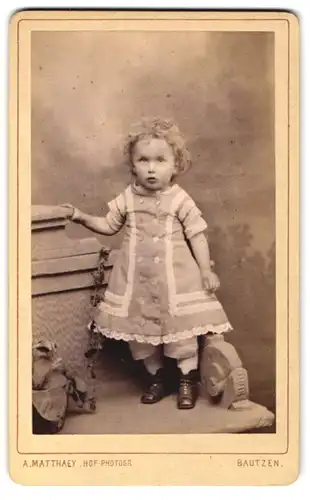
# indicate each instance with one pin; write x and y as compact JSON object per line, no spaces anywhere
{"x":159,"y":128}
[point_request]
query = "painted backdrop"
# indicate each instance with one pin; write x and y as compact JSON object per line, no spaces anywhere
{"x":88,"y":87}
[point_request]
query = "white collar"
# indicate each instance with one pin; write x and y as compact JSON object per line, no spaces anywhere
{"x":142,"y":191}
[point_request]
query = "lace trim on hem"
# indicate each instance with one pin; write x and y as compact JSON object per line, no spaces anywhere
{"x":167,"y":339}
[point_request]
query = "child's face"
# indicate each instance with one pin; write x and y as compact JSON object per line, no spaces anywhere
{"x":153,"y":163}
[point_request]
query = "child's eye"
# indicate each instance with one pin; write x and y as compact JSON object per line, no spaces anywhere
{"x":143,"y":159}
{"x":160,"y":159}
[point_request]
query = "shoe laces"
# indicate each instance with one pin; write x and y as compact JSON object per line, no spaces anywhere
{"x":154,"y":386}
{"x":186,"y":386}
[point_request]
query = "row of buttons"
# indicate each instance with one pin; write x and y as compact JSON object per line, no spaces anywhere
{"x":157,"y":202}
{"x":156,"y":260}
{"x":141,"y":300}
{"x":153,"y":281}
{"x":154,"y":238}
{"x":142,"y":237}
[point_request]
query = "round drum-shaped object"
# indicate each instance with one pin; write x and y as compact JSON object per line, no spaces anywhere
{"x":219,"y":358}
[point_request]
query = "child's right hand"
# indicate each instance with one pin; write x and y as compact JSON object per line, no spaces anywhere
{"x":73,"y":214}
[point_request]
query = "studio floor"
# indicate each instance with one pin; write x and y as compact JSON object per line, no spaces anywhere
{"x":119,"y":411}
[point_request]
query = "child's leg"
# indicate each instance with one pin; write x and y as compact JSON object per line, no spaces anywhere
{"x":150,"y":354}
{"x":186,"y":354}
{"x":153,"y":362}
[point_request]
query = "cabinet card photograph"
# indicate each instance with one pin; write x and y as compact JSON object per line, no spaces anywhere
{"x":154,"y":248}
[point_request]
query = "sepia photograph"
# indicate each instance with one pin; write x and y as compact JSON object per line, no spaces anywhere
{"x":155,"y":235}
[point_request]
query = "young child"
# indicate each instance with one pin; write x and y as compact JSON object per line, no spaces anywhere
{"x":160,"y":295}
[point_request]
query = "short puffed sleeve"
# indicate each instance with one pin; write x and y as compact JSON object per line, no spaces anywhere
{"x":190,"y":217}
{"x":117,"y":212}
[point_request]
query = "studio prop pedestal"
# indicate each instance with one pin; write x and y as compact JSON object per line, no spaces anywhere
{"x":62,"y":284}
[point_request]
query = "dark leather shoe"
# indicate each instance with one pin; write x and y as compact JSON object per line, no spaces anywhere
{"x":155,"y":390}
{"x":187,"y":395}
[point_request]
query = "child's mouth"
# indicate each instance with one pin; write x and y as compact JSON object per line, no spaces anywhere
{"x":151,"y":180}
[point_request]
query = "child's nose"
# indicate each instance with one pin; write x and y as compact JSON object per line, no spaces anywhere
{"x":151,"y":166}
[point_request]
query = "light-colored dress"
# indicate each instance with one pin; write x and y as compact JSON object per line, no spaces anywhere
{"x":155,"y":293}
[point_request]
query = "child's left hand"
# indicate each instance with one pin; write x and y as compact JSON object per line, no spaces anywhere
{"x":210,"y":281}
